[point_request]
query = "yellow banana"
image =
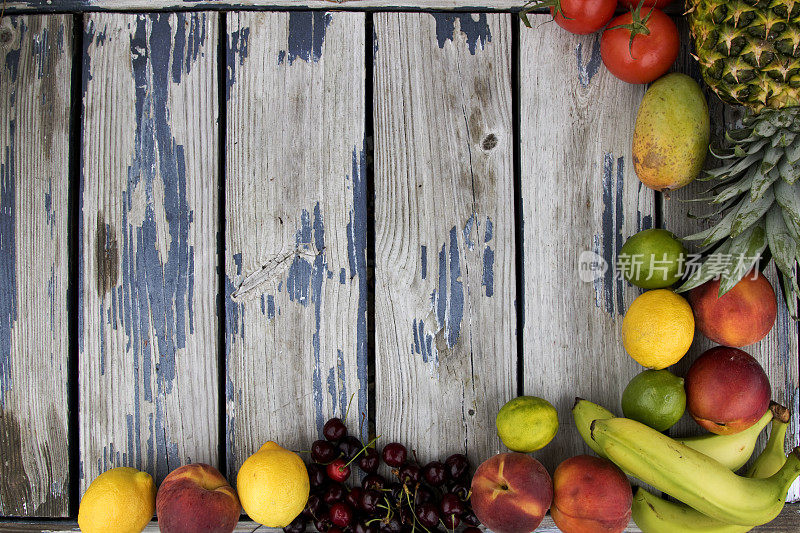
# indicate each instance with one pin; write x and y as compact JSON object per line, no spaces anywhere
{"x":584,"y":412}
{"x":657,"y":515}
{"x":692,"y":477}
{"x":731,"y":450}
{"x":773,"y":457}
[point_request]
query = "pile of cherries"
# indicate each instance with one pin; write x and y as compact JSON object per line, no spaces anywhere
{"x":416,"y":498}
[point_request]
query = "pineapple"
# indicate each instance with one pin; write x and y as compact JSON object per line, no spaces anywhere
{"x":749,"y":55}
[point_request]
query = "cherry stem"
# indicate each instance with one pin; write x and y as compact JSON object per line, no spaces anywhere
{"x":362,"y":450}
{"x":451,"y":521}
{"x":347,"y":412}
{"x":411,"y":507}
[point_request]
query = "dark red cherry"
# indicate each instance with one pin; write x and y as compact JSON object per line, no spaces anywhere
{"x":394,"y":454}
{"x":334,"y":429}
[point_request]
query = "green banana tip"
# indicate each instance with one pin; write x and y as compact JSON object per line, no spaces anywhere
{"x":591,"y":428}
{"x":578,"y":400}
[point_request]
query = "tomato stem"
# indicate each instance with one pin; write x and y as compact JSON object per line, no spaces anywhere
{"x":540,"y":4}
{"x":638,"y":25}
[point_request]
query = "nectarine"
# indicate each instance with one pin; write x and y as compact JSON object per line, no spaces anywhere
{"x":591,"y":495}
{"x":743,"y":316}
{"x":511,"y":492}
{"x":727,"y":391}
{"x":197,"y":498}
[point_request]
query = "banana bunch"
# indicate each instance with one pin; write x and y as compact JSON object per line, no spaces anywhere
{"x":656,"y":515}
{"x":693,"y":477}
{"x":695,"y":470}
{"x":732,"y":451}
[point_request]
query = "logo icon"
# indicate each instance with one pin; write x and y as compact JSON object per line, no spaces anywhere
{"x":591,"y":266}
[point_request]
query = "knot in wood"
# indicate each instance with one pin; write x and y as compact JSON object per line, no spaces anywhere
{"x":489,"y":142}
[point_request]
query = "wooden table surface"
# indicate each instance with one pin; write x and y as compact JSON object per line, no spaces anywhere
{"x":217,"y":227}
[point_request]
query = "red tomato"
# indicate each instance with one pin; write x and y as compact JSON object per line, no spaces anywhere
{"x":583,"y":16}
{"x":654,"y":48}
{"x":660,"y":4}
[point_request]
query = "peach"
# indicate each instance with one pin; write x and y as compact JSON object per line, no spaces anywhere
{"x":197,"y":498}
{"x":511,"y":492}
{"x":743,"y":316}
{"x":591,"y":495}
{"x":727,"y":391}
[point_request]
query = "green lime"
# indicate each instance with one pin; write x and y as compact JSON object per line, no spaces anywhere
{"x":655,"y":398}
{"x":527,"y":423}
{"x":652,"y":259}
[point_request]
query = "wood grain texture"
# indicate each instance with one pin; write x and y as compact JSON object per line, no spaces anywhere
{"x":778,"y":351}
{"x":788,"y":520}
{"x":444,"y":273}
{"x":148,"y":219}
{"x":125,"y":5}
{"x":295,"y":207}
{"x":35,"y":63}
{"x":580,"y":201}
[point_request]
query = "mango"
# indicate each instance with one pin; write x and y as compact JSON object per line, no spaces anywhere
{"x":672,"y":133}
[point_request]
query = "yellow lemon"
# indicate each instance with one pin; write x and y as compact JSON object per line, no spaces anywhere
{"x":273,"y":485}
{"x":120,"y":500}
{"x":658,"y":328}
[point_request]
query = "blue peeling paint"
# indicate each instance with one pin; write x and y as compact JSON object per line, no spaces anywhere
{"x":424,"y":261}
{"x":441,"y":296}
{"x":234,"y":311}
{"x":306,"y":36}
{"x":642,"y":222}
{"x":298,"y":279}
{"x":421,"y":335}
{"x":416,"y":346}
{"x":587,"y":70}
{"x":8,"y":259}
{"x":157,"y":286}
{"x":474,"y":30}
{"x":612,"y":222}
{"x":357,"y":257}
{"x":342,"y":276}
{"x":456,"y":304}
{"x":40,"y":54}
{"x":8,"y":246}
{"x":488,"y":271}
{"x":270,"y":307}
{"x":489,"y":230}
{"x":608,"y":230}
{"x":332,"y":388}
{"x":236,"y":53}
{"x":468,"y":232}
{"x":316,"y":296}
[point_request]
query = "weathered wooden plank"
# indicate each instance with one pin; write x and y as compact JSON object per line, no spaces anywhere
{"x":35,"y":63}
{"x":295,"y":208}
{"x":93,"y":5}
{"x":148,"y":219}
{"x":580,"y":200}
{"x":778,"y":351}
{"x":788,"y":520}
{"x":444,"y":225}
